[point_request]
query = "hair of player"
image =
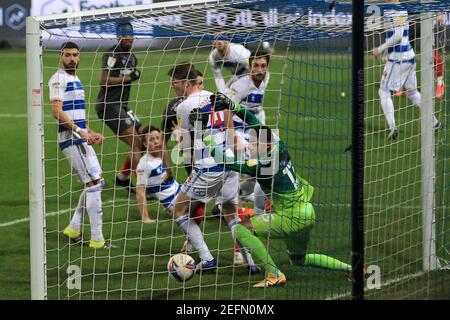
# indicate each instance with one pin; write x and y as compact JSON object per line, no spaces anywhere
{"x":199,"y":74}
{"x":261,"y":53}
{"x":69,"y":45}
{"x":184,"y":71}
{"x":149,"y":129}
{"x":124,"y":28}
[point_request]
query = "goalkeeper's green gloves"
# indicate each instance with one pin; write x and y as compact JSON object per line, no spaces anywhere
{"x":222,"y":102}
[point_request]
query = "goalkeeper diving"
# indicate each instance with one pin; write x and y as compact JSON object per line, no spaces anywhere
{"x":292,"y":217}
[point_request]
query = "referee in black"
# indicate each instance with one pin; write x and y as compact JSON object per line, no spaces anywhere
{"x":118,"y":73}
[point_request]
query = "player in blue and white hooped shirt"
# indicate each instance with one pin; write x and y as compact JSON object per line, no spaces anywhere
{"x":152,"y":176}
{"x":75,"y":139}
{"x":249,"y":90}
{"x":400,"y":68}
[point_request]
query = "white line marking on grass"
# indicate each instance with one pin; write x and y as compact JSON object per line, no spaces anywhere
{"x":50,"y":214}
{"x":347,"y":205}
{"x":384,"y":284}
{"x":19,"y":115}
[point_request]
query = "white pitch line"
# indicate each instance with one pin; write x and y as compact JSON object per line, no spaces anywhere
{"x":50,"y":214}
{"x":384,"y":284}
{"x":346,"y":205}
{"x":19,"y":115}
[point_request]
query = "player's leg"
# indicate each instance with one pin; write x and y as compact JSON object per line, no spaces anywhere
{"x":228,"y":198}
{"x":183,"y":203}
{"x":438,"y":65}
{"x":247,"y":187}
{"x":197,"y":214}
{"x":244,"y":237}
{"x":85,"y":163}
{"x":124,"y":124}
{"x":73,"y":230}
{"x":260,"y":204}
{"x":388,"y":83}
{"x":297,"y":236}
{"x":412,"y":93}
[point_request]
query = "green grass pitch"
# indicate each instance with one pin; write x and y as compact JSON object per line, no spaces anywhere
{"x":314,"y":119}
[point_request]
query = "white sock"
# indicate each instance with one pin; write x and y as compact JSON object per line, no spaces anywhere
{"x":440,"y":80}
{"x":94,"y":210}
{"x":260,"y":199}
{"x":416,"y":98}
{"x":192,"y":230}
{"x":247,"y":255}
{"x":388,"y":107}
{"x":77,"y":218}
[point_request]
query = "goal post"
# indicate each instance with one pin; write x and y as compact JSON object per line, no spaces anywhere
{"x":428,"y":143}
{"x":36,"y":160}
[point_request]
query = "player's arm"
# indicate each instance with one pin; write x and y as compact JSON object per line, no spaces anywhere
{"x":142,"y":201}
{"x":107,"y":79}
{"x":141,"y":198}
{"x":64,"y":120}
{"x":166,"y":127}
{"x":217,"y":72}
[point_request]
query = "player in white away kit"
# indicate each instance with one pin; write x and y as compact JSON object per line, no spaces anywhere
{"x":400,"y":68}
{"x":208,"y":179}
{"x":75,"y":139}
{"x":231,"y":56}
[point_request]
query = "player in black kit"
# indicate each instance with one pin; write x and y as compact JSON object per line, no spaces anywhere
{"x":118,"y":72}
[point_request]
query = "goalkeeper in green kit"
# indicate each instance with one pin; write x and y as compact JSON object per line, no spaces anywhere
{"x":292,"y":216}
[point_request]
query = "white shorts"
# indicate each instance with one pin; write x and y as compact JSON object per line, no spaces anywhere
{"x":205,"y":186}
{"x":84,"y":162}
{"x":399,"y":75}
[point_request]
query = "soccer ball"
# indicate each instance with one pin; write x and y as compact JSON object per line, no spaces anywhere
{"x":181,"y":267}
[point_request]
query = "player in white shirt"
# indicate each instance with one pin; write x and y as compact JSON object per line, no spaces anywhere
{"x":230,"y":56}
{"x":75,"y":139}
{"x":152,"y":176}
{"x":208,"y":180}
{"x":400,"y":68}
{"x":249,"y":89}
